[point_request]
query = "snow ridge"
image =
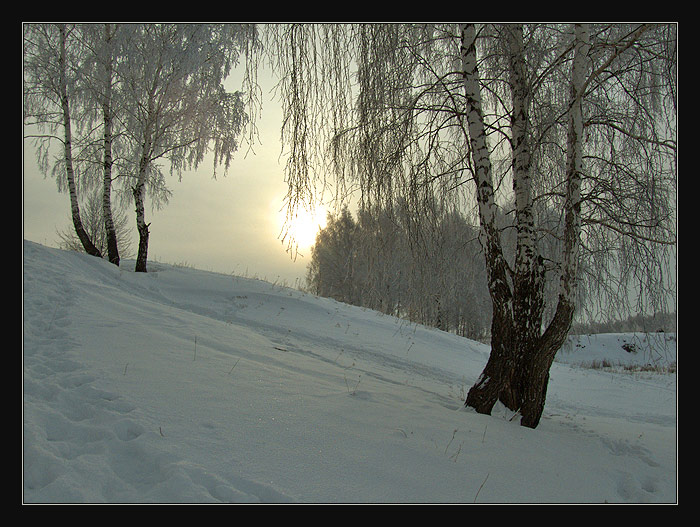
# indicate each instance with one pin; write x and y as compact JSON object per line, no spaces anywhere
{"x":184,"y":386}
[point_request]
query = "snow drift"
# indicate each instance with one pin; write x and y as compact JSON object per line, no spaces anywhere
{"x":186,"y":386}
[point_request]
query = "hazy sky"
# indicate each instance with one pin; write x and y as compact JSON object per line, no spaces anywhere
{"x":229,"y":225}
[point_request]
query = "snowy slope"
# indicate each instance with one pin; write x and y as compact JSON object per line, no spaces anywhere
{"x":182,"y":385}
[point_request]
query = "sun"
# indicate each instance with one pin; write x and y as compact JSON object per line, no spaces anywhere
{"x":304,"y":225}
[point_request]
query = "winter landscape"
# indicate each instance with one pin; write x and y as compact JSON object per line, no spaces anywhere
{"x":186,"y":386}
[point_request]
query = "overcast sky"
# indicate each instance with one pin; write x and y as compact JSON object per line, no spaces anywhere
{"x":229,"y":225}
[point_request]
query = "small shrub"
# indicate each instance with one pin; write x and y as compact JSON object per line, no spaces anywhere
{"x":629,"y":348}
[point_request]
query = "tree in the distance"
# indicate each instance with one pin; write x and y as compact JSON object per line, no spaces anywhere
{"x":435,"y":278}
{"x":332,"y":269}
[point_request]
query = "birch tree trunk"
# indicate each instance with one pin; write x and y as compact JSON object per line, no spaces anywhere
{"x":536,"y":366}
{"x":141,"y":226}
{"x":140,"y":189}
{"x":110,"y":231}
{"x":517,"y":371}
{"x":528,"y":277}
{"x":68,"y":154}
{"x":484,"y":394}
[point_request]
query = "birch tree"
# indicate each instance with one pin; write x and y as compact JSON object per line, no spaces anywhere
{"x":519,"y":121}
{"x":51,"y":55}
{"x":177,"y":106}
{"x":106,"y":43}
{"x":104,"y":49}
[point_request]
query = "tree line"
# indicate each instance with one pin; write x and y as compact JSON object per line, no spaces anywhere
{"x":429,"y":272}
{"x":437,"y":278}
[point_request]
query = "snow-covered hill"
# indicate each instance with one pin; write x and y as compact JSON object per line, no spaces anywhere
{"x":182,"y":385}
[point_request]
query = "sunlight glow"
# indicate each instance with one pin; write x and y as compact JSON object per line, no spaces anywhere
{"x":305,"y":225}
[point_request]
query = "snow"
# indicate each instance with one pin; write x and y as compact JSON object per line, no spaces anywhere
{"x":186,"y":386}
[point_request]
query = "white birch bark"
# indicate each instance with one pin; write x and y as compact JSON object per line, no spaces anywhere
{"x":537,"y":368}
{"x":526,"y":250}
{"x":528,"y":277}
{"x":67,"y":148}
{"x":139,"y":199}
{"x":145,"y":160}
{"x":482,"y":163}
{"x":110,"y":231}
{"x":484,"y":394}
{"x":574,"y":166}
